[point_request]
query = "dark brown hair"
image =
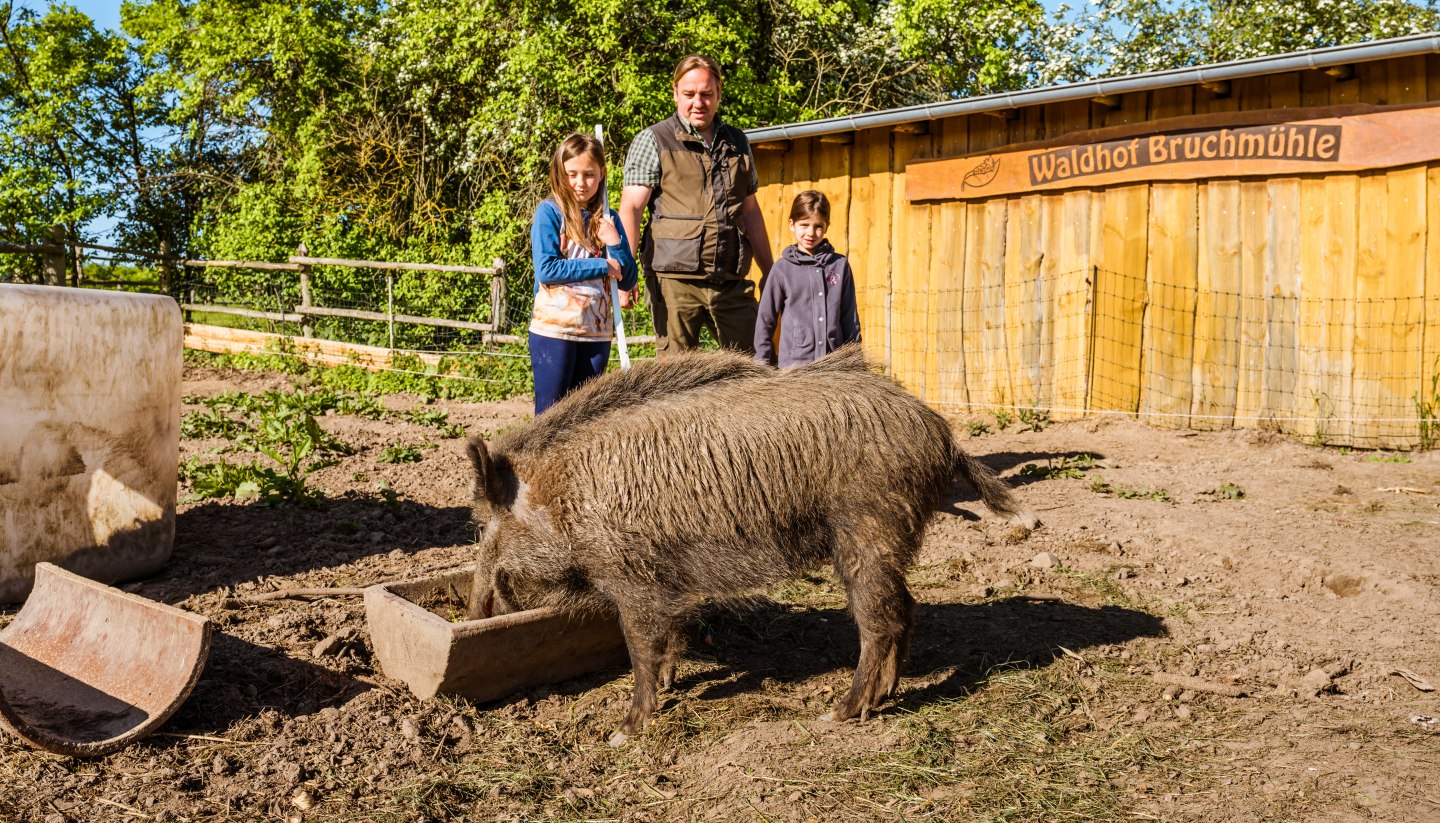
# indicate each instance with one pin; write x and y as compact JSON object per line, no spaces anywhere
{"x":810,"y":204}
{"x":696,"y":61}
{"x":576,"y":228}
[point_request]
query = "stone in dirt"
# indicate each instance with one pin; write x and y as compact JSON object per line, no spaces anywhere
{"x":1315,"y":682}
{"x":332,"y":644}
{"x":1045,"y":560}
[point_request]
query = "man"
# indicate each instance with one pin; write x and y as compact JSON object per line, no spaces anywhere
{"x":697,"y":177}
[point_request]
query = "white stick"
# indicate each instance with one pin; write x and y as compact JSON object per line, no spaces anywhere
{"x":614,"y":287}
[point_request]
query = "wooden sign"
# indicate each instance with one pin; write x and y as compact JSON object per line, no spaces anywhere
{"x":1370,"y":140}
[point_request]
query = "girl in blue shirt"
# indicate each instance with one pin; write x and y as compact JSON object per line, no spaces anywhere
{"x":578,"y":246}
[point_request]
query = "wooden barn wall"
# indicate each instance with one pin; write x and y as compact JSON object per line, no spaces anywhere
{"x":1307,"y":304}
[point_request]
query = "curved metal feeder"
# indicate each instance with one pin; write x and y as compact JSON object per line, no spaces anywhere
{"x":86,"y":669}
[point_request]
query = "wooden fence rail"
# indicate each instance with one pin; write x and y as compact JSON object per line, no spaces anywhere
{"x":307,"y":309}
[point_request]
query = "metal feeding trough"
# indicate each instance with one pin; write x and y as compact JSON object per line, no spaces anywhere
{"x":86,"y":669}
{"x":422,"y":640}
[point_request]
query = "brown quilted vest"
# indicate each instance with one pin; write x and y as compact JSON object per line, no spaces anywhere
{"x":694,"y":226}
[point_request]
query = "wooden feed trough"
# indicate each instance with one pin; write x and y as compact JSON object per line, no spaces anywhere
{"x":436,"y":653}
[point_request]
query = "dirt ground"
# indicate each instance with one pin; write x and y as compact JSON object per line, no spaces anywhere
{"x":1208,"y":626}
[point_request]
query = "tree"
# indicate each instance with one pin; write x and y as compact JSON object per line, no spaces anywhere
{"x":1118,"y":37}
{"x":82,"y":135}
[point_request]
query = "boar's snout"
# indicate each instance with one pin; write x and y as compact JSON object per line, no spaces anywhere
{"x":490,"y":595}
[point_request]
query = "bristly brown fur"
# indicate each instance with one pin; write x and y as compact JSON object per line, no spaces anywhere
{"x":701,"y":477}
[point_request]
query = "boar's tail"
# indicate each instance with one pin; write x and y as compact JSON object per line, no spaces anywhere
{"x":995,"y":492}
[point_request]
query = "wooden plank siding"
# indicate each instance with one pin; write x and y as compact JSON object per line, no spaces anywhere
{"x":1307,"y":303}
{"x":871,"y":217}
{"x":910,"y":269}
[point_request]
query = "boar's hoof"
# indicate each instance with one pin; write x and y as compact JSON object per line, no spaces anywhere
{"x":618,"y":739}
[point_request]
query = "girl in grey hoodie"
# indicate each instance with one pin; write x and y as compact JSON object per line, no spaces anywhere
{"x":812,"y":286}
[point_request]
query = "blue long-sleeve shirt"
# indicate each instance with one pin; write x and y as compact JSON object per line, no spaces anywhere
{"x":553,"y":267}
{"x":572,"y":292}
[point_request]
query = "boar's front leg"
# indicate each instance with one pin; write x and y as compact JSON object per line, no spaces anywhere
{"x":884,"y":611}
{"x":649,"y":636}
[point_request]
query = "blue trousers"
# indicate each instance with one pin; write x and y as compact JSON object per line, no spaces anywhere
{"x":561,"y":365}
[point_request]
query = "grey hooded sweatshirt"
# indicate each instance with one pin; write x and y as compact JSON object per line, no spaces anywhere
{"x":816,"y":294}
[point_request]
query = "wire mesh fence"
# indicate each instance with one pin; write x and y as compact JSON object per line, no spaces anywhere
{"x":403,"y":319}
{"x":1333,"y":370}
{"x":1349,"y":371}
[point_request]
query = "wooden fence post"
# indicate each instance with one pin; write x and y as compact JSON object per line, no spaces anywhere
{"x":52,"y":259}
{"x":166,"y":268}
{"x":1092,"y":305}
{"x":390,"y":305}
{"x":498,"y":296}
{"x":305,"y":329}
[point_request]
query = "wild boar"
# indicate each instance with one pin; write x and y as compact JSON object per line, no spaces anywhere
{"x":704,"y":477}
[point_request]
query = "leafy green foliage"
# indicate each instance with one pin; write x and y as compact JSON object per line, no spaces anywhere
{"x":422,"y":132}
{"x":1226,"y":491}
{"x":1072,"y":466}
{"x":208,"y":423}
{"x":400,"y":454}
{"x":279,"y":425}
{"x":435,"y":419}
{"x":1130,"y":493}
{"x":220,"y":478}
{"x":87,"y":132}
{"x":1387,"y":457}
{"x":1036,"y":419}
{"x":478,"y":377}
{"x":1135,"y":36}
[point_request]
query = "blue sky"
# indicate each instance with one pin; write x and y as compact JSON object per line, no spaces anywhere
{"x":105,"y":13}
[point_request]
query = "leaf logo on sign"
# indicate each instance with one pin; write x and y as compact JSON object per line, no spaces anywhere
{"x":982,"y":174}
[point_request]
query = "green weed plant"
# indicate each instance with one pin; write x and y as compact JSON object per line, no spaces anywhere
{"x":1130,"y":493}
{"x":1072,"y":466}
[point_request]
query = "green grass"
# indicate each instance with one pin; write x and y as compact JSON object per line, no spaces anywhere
{"x":1387,"y":457}
{"x":1103,"y":586}
{"x":472,"y":377}
{"x":1026,"y":744}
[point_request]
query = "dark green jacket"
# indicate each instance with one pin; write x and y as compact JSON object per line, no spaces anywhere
{"x":695,"y":223}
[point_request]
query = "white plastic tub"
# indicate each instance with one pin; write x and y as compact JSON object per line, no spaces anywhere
{"x":89,"y":433}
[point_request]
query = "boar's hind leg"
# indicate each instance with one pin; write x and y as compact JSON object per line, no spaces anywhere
{"x":885,"y":614}
{"x":649,"y":637}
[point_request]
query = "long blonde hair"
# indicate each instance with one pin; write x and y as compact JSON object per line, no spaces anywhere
{"x":576,"y":228}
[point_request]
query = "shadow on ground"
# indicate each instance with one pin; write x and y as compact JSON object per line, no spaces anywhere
{"x":242,"y":680}
{"x":222,"y":544}
{"x":780,"y":643}
{"x":963,"y":501}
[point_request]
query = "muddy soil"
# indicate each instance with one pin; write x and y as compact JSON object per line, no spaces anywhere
{"x":1208,"y":626}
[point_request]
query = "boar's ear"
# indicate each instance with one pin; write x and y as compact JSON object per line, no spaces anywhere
{"x":494,"y":478}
